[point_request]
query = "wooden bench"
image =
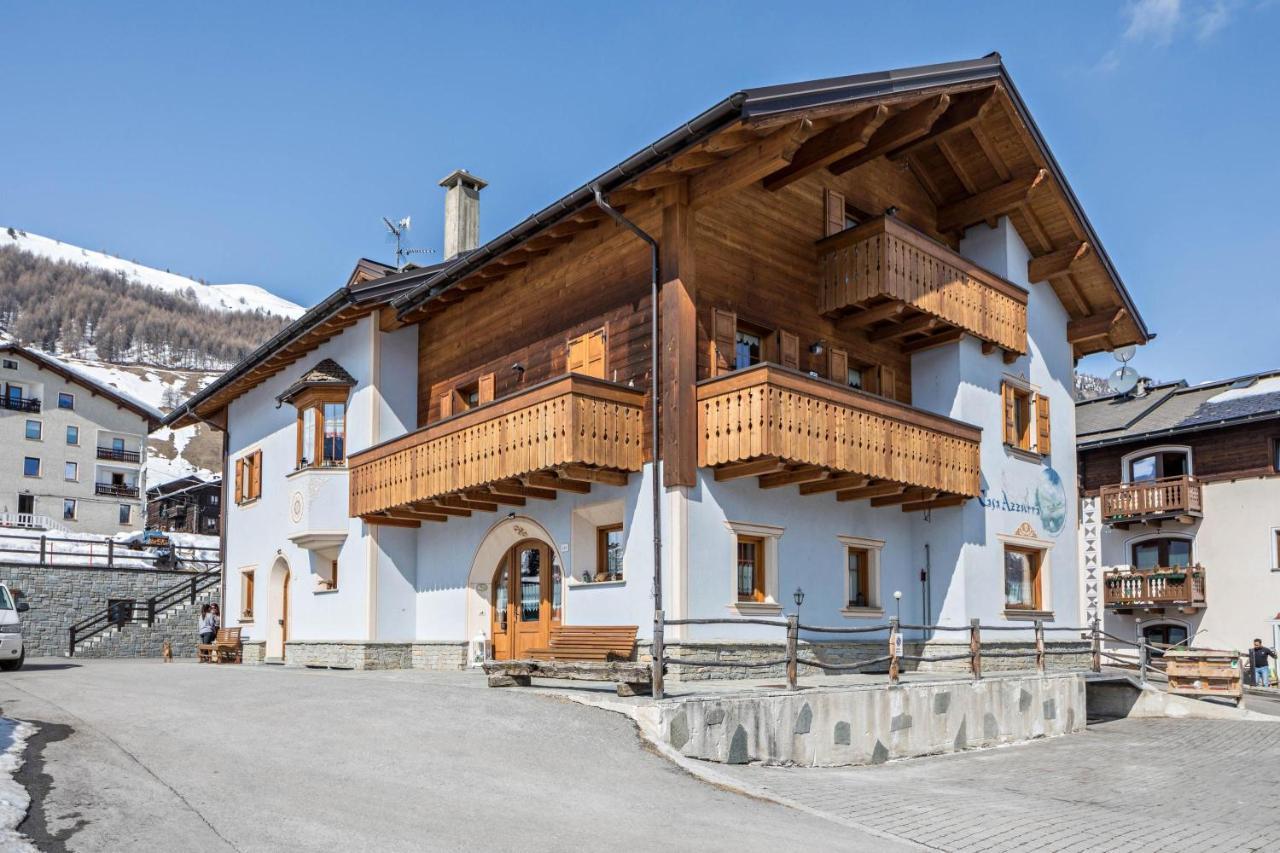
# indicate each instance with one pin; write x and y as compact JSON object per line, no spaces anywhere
{"x":589,"y":643}
{"x":225,"y":647}
{"x":633,"y":679}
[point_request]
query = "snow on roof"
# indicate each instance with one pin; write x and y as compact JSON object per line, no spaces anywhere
{"x":82,"y":377}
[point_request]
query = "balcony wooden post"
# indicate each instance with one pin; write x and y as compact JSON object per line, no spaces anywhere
{"x":975,"y":649}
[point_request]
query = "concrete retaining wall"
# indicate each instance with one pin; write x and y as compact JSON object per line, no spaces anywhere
{"x":62,"y":596}
{"x":848,"y":725}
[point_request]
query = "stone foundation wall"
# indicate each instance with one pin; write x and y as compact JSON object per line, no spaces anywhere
{"x":254,"y":652}
{"x":869,"y":724}
{"x":737,"y":658}
{"x":440,"y":656}
{"x":61,"y":596}
{"x":347,"y":654}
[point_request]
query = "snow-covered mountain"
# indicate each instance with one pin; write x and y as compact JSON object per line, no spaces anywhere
{"x":226,"y":297}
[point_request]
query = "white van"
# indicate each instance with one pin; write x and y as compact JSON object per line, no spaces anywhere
{"x":12,"y":654}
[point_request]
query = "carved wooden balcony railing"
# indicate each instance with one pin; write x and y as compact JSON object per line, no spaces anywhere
{"x":917,"y":290}
{"x":1171,"y":496}
{"x":1164,"y":587}
{"x":786,"y":427}
{"x":561,"y":434}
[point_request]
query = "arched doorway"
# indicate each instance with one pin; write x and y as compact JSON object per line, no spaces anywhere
{"x":526,"y":599}
{"x":278,"y":609}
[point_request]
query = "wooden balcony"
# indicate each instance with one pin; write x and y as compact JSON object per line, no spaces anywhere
{"x":788,"y":428}
{"x":1164,"y":587}
{"x":565,"y":434}
{"x":905,"y":287}
{"x":1171,"y":498}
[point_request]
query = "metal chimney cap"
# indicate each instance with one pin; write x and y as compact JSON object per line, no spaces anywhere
{"x":462,"y":176}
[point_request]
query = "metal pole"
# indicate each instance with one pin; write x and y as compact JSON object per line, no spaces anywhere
{"x":659,"y":654}
{"x":793,"y":644}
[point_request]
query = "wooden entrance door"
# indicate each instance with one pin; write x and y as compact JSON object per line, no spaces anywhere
{"x":526,"y":600}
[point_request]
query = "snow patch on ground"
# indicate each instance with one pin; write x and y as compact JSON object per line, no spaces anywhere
{"x":14,"y":799}
{"x":222,"y":297}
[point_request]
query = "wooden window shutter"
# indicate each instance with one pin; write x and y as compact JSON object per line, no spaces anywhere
{"x":1010,"y":403}
{"x":888,"y":382}
{"x":723,"y":341}
{"x":485,"y":389}
{"x":595,"y":354}
{"x":788,"y":349}
{"x":1042,"y":424}
{"x":446,"y":404}
{"x":239,"y":481}
{"x":256,"y":470}
{"x":834,"y":207}
{"x":838,"y":366}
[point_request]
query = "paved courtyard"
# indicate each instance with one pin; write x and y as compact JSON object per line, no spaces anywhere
{"x":140,"y":755}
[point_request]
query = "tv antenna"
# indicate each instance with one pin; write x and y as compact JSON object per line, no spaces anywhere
{"x":398,"y":231}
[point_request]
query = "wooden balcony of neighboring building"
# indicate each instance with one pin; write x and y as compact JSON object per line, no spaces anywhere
{"x":1180,"y":587}
{"x":789,"y":428}
{"x":563,"y":434}
{"x":1171,"y":498}
{"x":906,"y":288}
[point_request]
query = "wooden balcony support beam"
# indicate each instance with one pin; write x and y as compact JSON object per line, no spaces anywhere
{"x":906,"y":496}
{"x":834,"y":483}
{"x":438,"y":508}
{"x":459,"y":502}
{"x":870,"y":316}
{"x":515,"y":488}
{"x":494,"y":497}
{"x":409,"y":515}
{"x":877,"y":491}
{"x":802,"y":474}
{"x":948,"y":336}
{"x":604,"y":476}
{"x":750,"y":468}
{"x":937,"y":503}
{"x":549,"y":480}
{"x":914,"y":326}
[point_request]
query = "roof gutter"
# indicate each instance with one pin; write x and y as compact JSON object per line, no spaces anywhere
{"x":580,"y":199}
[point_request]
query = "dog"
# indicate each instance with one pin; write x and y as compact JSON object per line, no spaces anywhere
{"x":167,"y":652}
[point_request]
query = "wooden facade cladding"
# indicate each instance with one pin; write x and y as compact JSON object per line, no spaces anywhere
{"x":1180,"y":587}
{"x":768,"y":413}
{"x":885,"y":259}
{"x":1136,"y":501}
{"x":569,"y":421}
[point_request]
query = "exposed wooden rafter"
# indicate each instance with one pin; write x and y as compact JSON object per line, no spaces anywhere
{"x":830,"y":145}
{"x":994,"y":202}
{"x":1098,"y":325}
{"x":751,"y":163}
{"x":1058,"y":262}
{"x":904,"y":127}
{"x":965,"y":110}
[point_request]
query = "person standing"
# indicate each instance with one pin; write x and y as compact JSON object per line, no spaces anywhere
{"x":1258,"y":660}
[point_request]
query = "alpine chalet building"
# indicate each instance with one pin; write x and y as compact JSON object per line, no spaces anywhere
{"x":870,"y":295}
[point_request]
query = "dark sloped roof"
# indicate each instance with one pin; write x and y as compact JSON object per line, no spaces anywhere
{"x":148,"y":413}
{"x":1177,"y":408}
{"x":327,"y":373}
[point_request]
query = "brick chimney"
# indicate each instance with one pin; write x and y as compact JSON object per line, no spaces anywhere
{"x":461,"y":212}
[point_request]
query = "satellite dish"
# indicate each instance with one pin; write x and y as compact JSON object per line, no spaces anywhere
{"x":1123,"y":380}
{"x":1125,"y":354}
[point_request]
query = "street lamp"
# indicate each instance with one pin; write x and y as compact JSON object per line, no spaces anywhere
{"x":798,"y":597}
{"x":897,"y":601}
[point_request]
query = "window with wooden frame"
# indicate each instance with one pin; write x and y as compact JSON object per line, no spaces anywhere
{"x":738,"y":344}
{"x":249,"y":477}
{"x":467,"y":395}
{"x":751,"y":569}
{"x":858,"y":565}
{"x":1026,"y":418}
{"x":838,"y":214}
{"x":1163,"y":552}
{"x":246,"y":596}
{"x":586,"y":354}
{"x":1022,"y":578}
{"x":608,"y":553}
{"x":322,"y":427}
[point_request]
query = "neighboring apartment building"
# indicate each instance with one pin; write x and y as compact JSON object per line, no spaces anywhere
{"x":72,"y":450}
{"x":1181,"y":512}
{"x":871,"y":291}
{"x":189,"y":504}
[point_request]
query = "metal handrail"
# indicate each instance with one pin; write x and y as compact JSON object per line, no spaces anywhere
{"x":139,"y":611}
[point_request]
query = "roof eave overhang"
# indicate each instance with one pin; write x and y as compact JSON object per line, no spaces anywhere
{"x":1179,"y":430}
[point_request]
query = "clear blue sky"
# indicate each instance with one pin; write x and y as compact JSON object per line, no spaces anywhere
{"x":261,"y":142}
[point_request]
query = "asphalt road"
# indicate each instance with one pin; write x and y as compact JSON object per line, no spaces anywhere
{"x":146,"y":756}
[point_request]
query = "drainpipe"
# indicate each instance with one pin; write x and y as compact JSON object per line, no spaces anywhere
{"x":653,"y":387}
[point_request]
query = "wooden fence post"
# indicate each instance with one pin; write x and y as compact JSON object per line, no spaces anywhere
{"x":894,"y":663}
{"x":1144,"y":655}
{"x":1040,"y":646}
{"x":1096,"y":663}
{"x":793,"y":649}
{"x":975,"y":649}
{"x":43,"y":545}
{"x":659,"y":653}
{"x":111,"y":553}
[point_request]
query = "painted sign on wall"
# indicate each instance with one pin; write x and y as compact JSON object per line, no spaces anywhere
{"x":1044,"y":499}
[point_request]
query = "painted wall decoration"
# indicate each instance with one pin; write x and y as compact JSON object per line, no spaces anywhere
{"x":1043,"y":497}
